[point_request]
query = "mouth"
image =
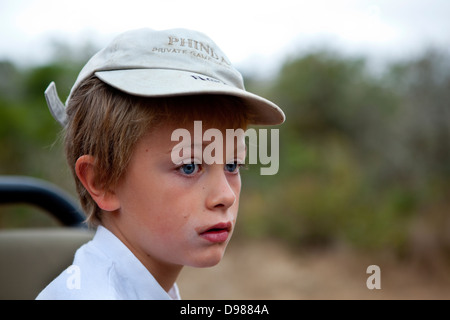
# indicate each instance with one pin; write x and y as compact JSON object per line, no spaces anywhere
{"x":217,"y":233}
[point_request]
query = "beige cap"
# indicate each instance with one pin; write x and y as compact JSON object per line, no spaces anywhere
{"x":176,"y":62}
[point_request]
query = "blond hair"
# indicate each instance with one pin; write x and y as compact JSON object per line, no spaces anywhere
{"x":107,"y":123}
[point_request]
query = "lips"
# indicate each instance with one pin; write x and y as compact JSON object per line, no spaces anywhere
{"x":217,"y":233}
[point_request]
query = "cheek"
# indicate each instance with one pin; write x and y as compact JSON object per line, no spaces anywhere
{"x":170,"y":211}
{"x":235,"y":184}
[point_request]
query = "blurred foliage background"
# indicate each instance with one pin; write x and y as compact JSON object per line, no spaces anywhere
{"x":364,"y":155}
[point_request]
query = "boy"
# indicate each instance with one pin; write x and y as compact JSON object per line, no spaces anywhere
{"x":156,"y":202}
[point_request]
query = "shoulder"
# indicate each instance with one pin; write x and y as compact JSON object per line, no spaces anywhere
{"x":89,"y":277}
{"x":103,"y":269}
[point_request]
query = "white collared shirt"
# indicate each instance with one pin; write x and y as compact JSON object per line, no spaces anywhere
{"x":104,"y":269}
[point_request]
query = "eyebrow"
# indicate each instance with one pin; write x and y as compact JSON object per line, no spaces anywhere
{"x":192,"y":146}
{"x":204,"y":144}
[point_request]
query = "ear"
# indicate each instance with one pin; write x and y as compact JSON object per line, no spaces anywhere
{"x":85,"y":170}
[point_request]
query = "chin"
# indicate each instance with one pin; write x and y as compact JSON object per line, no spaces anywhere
{"x":207,"y":259}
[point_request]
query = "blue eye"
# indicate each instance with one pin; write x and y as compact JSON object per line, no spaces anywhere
{"x":232,"y":167}
{"x":189,"y":168}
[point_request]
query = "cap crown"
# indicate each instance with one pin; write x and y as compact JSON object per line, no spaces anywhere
{"x":174,"y":49}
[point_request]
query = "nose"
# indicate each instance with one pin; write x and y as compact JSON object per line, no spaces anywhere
{"x":220,"y":191}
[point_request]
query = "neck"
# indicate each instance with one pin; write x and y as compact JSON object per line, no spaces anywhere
{"x":164,"y":273}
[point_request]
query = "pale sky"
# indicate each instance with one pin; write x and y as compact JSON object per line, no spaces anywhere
{"x":254,"y":34}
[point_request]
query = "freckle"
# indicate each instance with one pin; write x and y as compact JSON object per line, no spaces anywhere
{"x":146,"y":150}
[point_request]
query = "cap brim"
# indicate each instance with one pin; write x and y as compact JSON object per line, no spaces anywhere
{"x":167,"y":82}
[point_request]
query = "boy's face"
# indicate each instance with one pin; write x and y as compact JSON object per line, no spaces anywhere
{"x":177,"y":214}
